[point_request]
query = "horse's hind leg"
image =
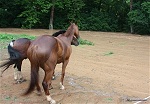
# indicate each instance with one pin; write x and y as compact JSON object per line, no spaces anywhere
{"x":63,"y":74}
{"x":15,"y":73}
{"x":47,"y":82}
{"x":18,"y":75}
{"x":37,"y":84}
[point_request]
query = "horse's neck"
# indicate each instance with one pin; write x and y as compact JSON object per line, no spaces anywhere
{"x":59,"y":44}
{"x":63,"y":39}
{"x":69,"y":34}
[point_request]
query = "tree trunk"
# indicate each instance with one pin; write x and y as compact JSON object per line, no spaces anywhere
{"x":131,"y":26}
{"x":51,"y":16}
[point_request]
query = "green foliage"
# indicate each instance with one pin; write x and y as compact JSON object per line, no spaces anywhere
{"x":140,"y":18}
{"x":108,"y":53}
{"x":8,"y":37}
{"x":73,"y":8}
{"x":8,"y":13}
{"x":97,"y":15}
{"x":98,"y":21}
{"x":66,"y":12}
{"x":85,"y":42}
{"x":33,"y":11}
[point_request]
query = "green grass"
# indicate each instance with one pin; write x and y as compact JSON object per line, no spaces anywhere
{"x":85,"y":42}
{"x":5,"y":39}
{"x":108,"y":53}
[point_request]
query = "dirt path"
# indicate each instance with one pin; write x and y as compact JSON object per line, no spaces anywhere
{"x":113,"y":71}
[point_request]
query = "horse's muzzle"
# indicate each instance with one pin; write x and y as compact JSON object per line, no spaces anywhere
{"x":75,"y":41}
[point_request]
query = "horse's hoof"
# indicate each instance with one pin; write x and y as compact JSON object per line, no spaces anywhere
{"x":39,"y":93}
{"x":24,"y":80}
{"x":16,"y":82}
{"x":62,"y":86}
{"x":51,"y":87}
{"x":52,"y":101}
{"x":53,"y":77}
{"x":15,"y":78}
{"x":20,"y":81}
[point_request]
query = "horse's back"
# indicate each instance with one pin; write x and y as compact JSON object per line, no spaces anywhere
{"x":44,"y":42}
{"x":41,"y":48}
{"x":22,"y":44}
{"x":21,"y":41}
{"x":19,"y":46}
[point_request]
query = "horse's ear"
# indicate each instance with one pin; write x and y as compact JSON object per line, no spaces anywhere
{"x":76,"y":22}
{"x":71,"y":22}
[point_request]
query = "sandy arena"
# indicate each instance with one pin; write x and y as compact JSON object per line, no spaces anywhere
{"x":113,"y":71}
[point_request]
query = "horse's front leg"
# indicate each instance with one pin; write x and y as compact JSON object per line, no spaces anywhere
{"x":53,"y":76}
{"x":63,"y":74}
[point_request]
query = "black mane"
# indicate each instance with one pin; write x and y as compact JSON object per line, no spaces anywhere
{"x":58,"y":33}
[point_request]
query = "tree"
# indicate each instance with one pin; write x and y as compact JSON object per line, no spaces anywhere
{"x":52,"y":15}
{"x":131,"y":5}
{"x":139,"y":17}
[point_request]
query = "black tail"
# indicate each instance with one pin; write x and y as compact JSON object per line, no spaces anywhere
{"x":14,"y":57}
{"x":34,"y":80}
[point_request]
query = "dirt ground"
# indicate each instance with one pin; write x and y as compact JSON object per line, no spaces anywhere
{"x":113,"y":71}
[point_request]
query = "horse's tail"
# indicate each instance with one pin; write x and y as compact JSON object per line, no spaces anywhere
{"x":34,"y":80}
{"x":6,"y":65}
{"x":14,"y":57}
{"x":34,"y":70}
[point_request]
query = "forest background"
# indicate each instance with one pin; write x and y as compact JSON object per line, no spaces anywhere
{"x":132,"y":16}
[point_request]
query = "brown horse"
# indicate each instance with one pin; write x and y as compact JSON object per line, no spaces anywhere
{"x":17,"y":50}
{"x":46,"y":52}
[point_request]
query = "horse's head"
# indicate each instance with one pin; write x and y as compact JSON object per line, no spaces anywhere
{"x":76,"y":31}
{"x":76,"y":35}
{"x":75,"y":41}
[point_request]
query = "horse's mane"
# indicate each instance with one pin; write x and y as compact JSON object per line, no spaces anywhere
{"x":58,"y":33}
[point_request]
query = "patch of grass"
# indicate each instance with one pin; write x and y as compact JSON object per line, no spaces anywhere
{"x":109,"y":100}
{"x":108,"y":53}
{"x":6,"y":38}
{"x":14,"y":36}
{"x":8,"y":98}
{"x":85,"y":42}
